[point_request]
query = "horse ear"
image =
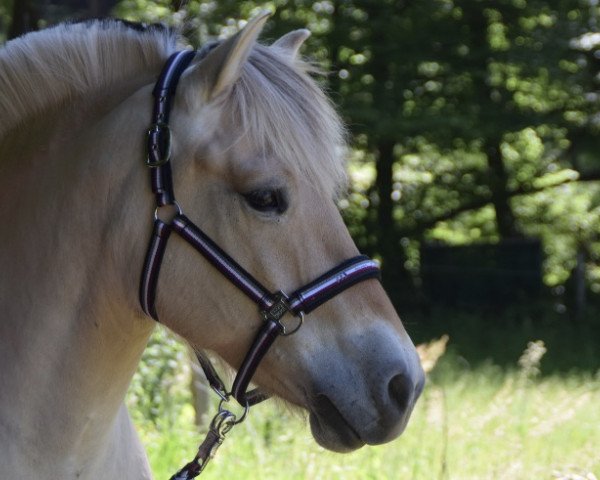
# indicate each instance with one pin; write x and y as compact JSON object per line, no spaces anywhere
{"x":223,"y":66}
{"x":291,"y":42}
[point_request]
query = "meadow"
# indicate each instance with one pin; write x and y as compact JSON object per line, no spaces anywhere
{"x":487,"y":413}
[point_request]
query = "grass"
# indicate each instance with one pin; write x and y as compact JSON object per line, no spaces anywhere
{"x":476,"y":420}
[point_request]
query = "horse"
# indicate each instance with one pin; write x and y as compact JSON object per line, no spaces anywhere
{"x":258,"y":160}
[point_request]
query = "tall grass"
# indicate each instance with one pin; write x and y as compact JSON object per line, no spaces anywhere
{"x":474,"y":421}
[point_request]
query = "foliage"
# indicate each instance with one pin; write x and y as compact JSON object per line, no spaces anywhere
{"x":5,"y":18}
{"x":160,"y":386}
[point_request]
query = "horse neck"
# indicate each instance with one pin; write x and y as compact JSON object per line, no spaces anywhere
{"x":75,"y":213}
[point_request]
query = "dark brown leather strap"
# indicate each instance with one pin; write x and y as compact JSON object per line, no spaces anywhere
{"x":232,"y":270}
{"x":333,"y":282}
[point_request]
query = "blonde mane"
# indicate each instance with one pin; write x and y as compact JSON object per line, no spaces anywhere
{"x":62,"y":63}
{"x":280,"y":107}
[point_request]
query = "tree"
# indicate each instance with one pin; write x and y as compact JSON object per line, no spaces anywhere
{"x":21,"y":16}
{"x":481,"y":98}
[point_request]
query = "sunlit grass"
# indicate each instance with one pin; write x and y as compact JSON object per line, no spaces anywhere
{"x":481,"y":423}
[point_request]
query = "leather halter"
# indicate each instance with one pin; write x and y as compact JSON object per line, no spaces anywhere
{"x":272,"y":306}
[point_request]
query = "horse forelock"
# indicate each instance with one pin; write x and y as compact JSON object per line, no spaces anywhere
{"x":70,"y":60}
{"x":282,"y":109}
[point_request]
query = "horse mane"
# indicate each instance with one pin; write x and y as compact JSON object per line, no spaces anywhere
{"x":69,"y":60}
{"x":280,"y":106}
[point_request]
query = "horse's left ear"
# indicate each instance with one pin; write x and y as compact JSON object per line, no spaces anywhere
{"x":223,"y":66}
{"x":291,"y":42}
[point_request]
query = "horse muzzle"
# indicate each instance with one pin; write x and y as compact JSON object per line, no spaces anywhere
{"x":367,"y":401}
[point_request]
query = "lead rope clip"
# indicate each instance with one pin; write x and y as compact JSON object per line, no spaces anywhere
{"x":220,"y":426}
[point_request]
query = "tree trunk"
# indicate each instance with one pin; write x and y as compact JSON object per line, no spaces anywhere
{"x":24,"y":18}
{"x":580,"y":282}
{"x":505,"y":218}
{"x":100,"y":8}
{"x":395,"y":277}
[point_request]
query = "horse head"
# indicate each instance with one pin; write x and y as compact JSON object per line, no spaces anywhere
{"x":258,"y":163}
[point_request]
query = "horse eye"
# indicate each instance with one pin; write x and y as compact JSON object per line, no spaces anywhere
{"x":266,"y":200}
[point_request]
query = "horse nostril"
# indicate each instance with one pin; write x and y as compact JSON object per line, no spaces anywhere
{"x":401,"y":391}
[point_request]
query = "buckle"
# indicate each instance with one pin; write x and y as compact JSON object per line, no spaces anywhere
{"x":279,"y":308}
{"x":276,"y":312}
{"x":159,"y":145}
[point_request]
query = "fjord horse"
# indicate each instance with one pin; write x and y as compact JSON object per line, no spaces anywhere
{"x":257,"y":155}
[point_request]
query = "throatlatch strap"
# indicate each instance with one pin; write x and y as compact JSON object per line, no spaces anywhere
{"x":250,"y":398}
{"x":154,"y":256}
{"x":211,"y":374}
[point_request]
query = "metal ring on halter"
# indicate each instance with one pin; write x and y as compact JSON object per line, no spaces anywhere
{"x":173,"y":203}
{"x":237,"y":420}
{"x":285,"y":333}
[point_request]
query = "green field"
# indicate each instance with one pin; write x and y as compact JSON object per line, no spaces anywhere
{"x":475,"y":421}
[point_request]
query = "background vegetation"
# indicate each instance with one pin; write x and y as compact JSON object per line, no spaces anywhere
{"x":472,"y":121}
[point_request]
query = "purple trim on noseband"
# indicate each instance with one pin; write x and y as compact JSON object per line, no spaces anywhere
{"x":335,"y":281}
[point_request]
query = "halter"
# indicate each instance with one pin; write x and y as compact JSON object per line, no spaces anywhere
{"x":272,"y":306}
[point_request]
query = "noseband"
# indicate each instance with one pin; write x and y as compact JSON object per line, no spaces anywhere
{"x":272,"y":306}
